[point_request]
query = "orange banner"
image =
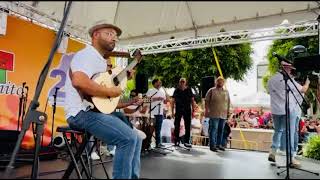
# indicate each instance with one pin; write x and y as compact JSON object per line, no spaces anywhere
{"x":24,"y":50}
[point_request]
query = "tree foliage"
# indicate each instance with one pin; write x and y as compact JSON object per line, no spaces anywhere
{"x":235,"y":61}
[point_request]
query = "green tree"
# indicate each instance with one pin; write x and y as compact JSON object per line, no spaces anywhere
{"x":235,"y":61}
{"x":282,"y":47}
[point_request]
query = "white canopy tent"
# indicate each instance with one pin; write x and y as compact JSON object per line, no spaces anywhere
{"x":145,"y":22}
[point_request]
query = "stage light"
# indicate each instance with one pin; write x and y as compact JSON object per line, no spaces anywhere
{"x":3,"y":21}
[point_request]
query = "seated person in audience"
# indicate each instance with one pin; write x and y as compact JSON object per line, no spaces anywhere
{"x":243,"y":123}
{"x":312,"y":129}
{"x":270,"y":124}
{"x":253,"y":121}
{"x":232,"y":121}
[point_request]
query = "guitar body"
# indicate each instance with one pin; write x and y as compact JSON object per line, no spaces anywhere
{"x":108,"y":105}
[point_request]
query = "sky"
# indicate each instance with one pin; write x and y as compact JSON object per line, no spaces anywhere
{"x":240,"y":89}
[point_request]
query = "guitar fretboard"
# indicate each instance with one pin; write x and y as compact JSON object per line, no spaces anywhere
{"x":123,"y":73}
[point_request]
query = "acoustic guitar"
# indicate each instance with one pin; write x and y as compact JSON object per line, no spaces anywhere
{"x":113,"y":78}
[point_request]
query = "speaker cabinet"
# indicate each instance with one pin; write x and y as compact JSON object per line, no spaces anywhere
{"x":206,"y":83}
{"x":141,"y":83}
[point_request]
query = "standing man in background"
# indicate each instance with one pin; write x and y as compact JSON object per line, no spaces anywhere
{"x":217,"y":105}
{"x":182,"y":105}
{"x":158,"y":98}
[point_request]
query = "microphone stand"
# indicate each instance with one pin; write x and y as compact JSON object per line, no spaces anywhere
{"x":24,"y":103}
{"x":34,"y":116}
{"x":20,"y":105}
{"x":53,"y":112}
{"x":288,"y":165}
{"x":153,"y":125}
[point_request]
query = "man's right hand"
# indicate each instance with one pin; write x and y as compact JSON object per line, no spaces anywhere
{"x":114,"y":91}
{"x":307,"y":81}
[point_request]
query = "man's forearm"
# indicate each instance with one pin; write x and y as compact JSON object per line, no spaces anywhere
{"x":123,"y":105}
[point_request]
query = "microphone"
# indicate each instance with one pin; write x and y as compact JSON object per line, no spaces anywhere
{"x":281,"y":58}
{"x":24,"y":83}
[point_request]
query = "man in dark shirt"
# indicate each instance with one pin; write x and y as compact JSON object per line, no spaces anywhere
{"x":182,"y":105}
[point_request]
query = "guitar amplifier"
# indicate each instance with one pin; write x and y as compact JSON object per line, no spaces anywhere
{"x":8,"y":139}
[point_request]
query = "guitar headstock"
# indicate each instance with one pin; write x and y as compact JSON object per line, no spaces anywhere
{"x":137,"y":55}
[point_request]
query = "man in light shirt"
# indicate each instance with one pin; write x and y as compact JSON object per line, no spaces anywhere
{"x":158,"y":97}
{"x":108,"y":128}
{"x":277,"y":90}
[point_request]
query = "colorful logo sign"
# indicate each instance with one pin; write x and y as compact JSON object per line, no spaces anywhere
{"x":6,"y":64}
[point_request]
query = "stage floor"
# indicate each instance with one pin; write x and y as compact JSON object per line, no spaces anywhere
{"x":198,"y":163}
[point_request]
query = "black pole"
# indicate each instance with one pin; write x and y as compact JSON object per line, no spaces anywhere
{"x":25,"y":100}
{"x":32,"y":115}
{"x":53,"y":112}
{"x":318,"y":19}
{"x":20,"y":105}
{"x":287,"y":131}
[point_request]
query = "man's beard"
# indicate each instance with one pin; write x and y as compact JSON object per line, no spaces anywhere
{"x":219,"y":86}
{"x":107,"y":46}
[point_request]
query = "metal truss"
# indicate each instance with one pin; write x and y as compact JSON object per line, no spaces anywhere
{"x":30,"y":13}
{"x":302,"y":29}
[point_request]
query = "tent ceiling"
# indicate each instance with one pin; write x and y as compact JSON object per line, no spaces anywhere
{"x":139,"y":20}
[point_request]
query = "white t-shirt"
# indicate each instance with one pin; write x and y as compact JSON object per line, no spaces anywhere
{"x":276,"y":86}
{"x":90,"y":62}
{"x":158,"y":110}
{"x":166,"y":127}
{"x":196,"y":122}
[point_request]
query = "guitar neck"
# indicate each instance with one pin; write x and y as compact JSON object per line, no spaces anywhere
{"x":145,"y":100}
{"x":123,"y":73}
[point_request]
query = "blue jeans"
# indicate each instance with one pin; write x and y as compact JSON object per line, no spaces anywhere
{"x":216,"y":127}
{"x":296,"y":137}
{"x":158,"y":125}
{"x":279,"y":122}
{"x":111,"y":130}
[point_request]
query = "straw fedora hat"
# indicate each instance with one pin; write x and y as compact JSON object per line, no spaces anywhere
{"x":104,"y":25}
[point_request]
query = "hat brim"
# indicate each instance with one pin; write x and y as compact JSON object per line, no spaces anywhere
{"x":101,"y":26}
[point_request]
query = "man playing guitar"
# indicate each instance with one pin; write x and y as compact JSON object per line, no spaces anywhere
{"x":106,"y":127}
